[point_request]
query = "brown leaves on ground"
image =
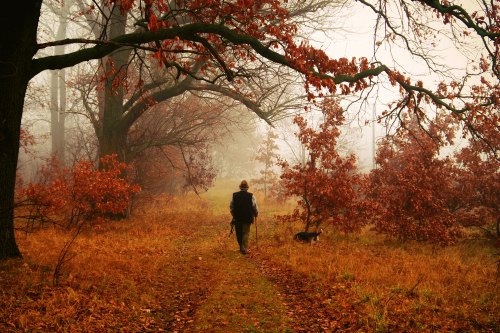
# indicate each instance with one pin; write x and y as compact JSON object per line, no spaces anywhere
{"x":173,"y":268}
{"x":311,"y":306}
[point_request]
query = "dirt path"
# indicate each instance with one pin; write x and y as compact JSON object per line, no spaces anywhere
{"x":174,"y":269}
{"x":213,"y":288}
{"x":311,"y":308}
{"x":179,"y":273}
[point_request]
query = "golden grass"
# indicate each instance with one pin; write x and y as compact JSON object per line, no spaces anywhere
{"x":426,"y":282}
{"x":434,"y":285}
{"x":241,"y":301}
{"x":172,"y":266}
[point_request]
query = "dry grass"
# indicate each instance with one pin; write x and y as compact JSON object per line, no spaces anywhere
{"x":172,"y":267}
{"x":430,"y":285}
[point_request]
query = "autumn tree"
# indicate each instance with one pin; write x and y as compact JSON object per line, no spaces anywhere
{"x":173,"y":134}
{"x":225,"y":39}
{"x":75,"y":196}
{"x":126,"y":84}
{"x":478,"y":183}
{"x":414,"y":187}
{"x":328,"y":185}
{"x":267,"y":155}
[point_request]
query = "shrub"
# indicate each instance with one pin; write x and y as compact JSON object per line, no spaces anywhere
{"x":83,"y":193}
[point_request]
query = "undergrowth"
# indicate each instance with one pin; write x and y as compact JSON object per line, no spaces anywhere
{"x":173,"y":267}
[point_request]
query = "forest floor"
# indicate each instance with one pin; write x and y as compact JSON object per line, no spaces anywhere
{"x":172,"y":269}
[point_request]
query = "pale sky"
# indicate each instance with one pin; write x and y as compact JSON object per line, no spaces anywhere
{"x":354,"y":37}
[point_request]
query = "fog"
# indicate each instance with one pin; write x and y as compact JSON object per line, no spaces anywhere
{"x":352,"y":35}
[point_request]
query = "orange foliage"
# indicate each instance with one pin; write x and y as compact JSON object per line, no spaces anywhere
{"x":415,"y":190}
{"x":127,"y":277}
{"x":479,"y":180}
{"x":328,"y":184}
{"x":71,"y":196}
{"x":255,"y":28}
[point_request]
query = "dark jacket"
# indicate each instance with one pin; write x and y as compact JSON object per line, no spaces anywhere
{"x":243,"y":207}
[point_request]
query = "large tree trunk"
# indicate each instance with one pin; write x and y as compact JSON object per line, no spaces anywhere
{"x":114,"y":141}
{"x":113,"y":132}
{"x":18,"y":42}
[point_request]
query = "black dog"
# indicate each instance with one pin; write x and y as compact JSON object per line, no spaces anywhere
{"x":308,"y":237}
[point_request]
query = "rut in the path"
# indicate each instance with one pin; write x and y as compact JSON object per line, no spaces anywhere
{"x":310,"y":307}
{"x":185,"y":282}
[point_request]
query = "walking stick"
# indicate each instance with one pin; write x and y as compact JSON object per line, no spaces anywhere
{"x":256,"y":234}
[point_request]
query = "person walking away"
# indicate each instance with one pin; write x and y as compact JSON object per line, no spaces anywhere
{"x":244,"y":210}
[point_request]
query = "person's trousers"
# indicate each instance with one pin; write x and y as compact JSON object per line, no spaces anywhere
{"x":242,"y":234}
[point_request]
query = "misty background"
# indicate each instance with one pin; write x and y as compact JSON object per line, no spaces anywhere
{"x":58,"y":119}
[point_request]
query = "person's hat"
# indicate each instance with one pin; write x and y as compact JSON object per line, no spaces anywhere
{"x":244,"y":184}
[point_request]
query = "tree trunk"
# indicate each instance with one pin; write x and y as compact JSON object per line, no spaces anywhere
{"x":113,"y":141}
{"x":113,"y":132}
{"x":58,"y":92}
{"x":57,"y":113}
{"x":18,"y":42}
